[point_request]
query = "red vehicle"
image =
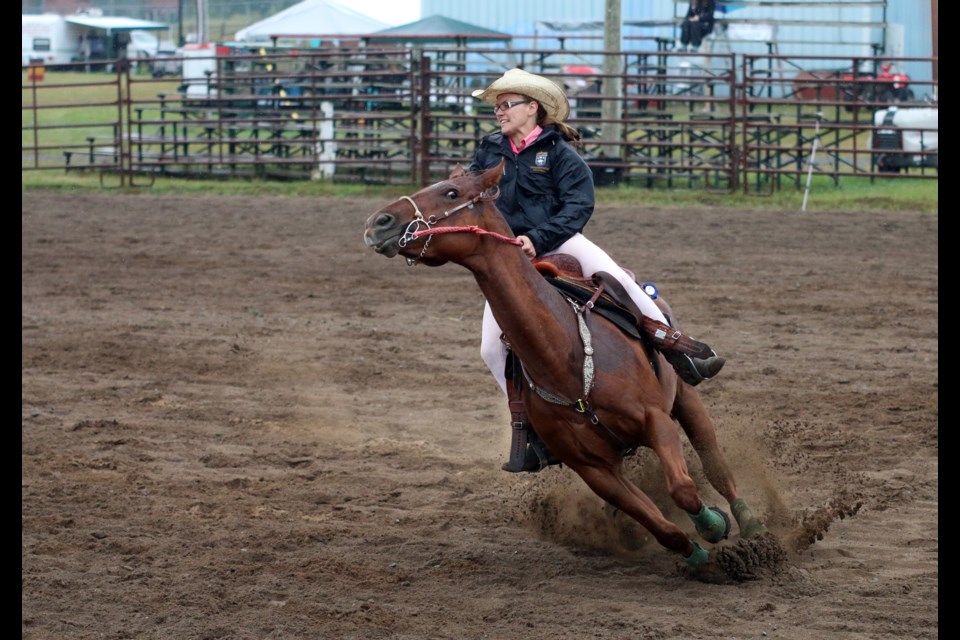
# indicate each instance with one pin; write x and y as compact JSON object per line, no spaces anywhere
{"x":887,"y":87}
{"x":897,"y":84}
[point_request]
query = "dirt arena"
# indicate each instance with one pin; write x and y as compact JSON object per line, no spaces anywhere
{"x":237,"y":422}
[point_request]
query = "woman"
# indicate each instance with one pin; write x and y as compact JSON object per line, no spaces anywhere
{"x":547,"y":197}
{"x":697,"y":24}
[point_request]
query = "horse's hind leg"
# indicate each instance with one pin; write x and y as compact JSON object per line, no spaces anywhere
{"x":661,"y":436}
{"x":692,"y":415}
{"x":690,"y":412}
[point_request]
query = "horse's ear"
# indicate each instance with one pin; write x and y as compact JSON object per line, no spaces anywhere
{"x":491,"y":177}
{"x":458,"y":172}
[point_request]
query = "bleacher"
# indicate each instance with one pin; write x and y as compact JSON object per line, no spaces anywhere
{"x":795,"y":27}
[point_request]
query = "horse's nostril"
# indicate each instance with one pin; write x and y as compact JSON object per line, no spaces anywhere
{"x":384,"y":220}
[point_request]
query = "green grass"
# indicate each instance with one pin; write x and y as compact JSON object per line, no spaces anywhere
{"x":855,"y":194}
{"x":68,"y":107}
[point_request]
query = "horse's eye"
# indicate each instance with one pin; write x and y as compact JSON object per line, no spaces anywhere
{"x":453,"y":194}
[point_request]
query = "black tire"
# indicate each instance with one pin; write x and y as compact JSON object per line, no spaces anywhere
{"x":883,"y":167}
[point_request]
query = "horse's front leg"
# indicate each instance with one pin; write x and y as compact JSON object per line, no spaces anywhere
{"x":609,"y":483}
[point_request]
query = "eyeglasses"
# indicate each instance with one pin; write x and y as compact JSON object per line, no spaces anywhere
{"x":503,"y":106}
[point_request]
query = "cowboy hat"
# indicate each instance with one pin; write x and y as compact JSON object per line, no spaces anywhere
{"x":546,"y":92}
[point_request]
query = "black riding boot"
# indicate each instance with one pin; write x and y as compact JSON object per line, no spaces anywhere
{"x":693,"y":360}
{"x":692,"y":370}
{"x":536,"y":456}
{"x":527,"y":451}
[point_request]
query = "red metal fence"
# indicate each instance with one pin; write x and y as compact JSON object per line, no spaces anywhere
{"x":396,"y":115}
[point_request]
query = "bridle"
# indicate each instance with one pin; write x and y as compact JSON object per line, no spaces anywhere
{"x":424,"y":225}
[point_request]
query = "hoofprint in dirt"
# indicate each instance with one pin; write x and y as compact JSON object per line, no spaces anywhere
{"x":236,"y":422}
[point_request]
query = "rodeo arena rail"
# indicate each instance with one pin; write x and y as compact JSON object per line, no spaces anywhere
{"x":711,"y":121}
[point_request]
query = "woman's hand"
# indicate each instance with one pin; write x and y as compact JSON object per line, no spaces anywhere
{"x":527,"y":247}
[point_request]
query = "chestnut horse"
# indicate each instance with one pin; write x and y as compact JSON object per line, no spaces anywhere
{"x":592,"y":392}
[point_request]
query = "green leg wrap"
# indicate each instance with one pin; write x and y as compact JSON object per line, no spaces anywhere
{"x":749,"y":524}
{"x":699,"y":556}
{"x":711,"y":524}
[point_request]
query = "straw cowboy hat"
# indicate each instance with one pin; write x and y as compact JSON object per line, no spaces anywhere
{"x":546,"y":92}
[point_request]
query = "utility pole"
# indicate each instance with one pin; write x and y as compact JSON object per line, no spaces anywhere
{"x":935,"y":33}
{"x":181,"y":39}
{"x":612,"y":86}
{"x":202,"y":31}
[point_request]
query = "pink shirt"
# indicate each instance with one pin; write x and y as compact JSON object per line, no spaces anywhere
{"x":530,"y":137}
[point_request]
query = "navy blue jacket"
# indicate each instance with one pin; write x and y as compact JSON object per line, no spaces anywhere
{"x":546,"y":191}
{"x":704,"y":15}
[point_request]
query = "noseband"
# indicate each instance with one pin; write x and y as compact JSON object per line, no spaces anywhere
{"x":424,"y":225}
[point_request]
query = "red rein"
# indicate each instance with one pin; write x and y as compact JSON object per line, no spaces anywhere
{"x":470,"y":229}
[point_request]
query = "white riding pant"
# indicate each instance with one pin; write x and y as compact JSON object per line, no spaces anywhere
{"x":592,"y":259}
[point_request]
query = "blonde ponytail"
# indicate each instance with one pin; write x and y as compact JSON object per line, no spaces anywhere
{"x":569,"y":133}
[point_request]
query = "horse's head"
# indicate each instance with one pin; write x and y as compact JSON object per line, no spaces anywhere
{"x":408,"y":225}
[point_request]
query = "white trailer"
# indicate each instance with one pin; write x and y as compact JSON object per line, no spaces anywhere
{"x":51,"y":39}
{"x":48,"y":40}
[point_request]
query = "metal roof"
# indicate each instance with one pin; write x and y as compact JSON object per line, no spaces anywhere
{"x":437,"y":28}
{"x":115,"y":24}
{"x":310,"y":19}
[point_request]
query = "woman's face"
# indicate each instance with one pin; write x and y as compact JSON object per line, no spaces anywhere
{"x":520,"y":118}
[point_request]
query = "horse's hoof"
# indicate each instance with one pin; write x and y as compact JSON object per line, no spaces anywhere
{"x":726,"y":524}
{"x":753,"y":529}
{"x":750,"y":525}
{"x":712,"y":523}
{"x":699,"y":556}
